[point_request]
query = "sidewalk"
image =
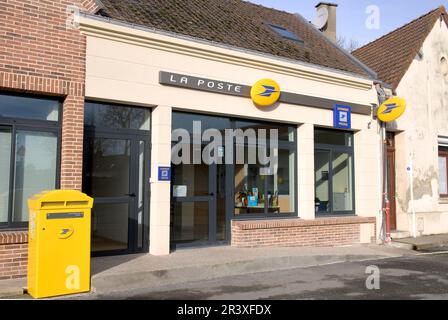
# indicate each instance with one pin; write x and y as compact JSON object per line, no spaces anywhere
{"x":111,"y":274}
{"x":12,"y":288}
{"x":117,"y":273}
{"x":424,"y":244}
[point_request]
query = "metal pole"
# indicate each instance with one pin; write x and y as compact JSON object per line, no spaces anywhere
{"x":386,"y":207}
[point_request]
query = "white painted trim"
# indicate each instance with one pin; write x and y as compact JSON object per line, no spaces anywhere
{"x":118,"y":31}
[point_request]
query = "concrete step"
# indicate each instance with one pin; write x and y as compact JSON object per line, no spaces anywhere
{"x":435,"y":243}
{"x":401,"y":245}
{"x":397,"y":234}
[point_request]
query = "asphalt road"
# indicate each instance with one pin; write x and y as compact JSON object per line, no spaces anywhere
{"x":411,"y":277}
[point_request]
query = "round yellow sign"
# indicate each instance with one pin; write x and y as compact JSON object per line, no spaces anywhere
{"x":392,"y":109}
{"x":265,"y":92}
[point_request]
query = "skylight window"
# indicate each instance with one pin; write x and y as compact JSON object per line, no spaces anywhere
{"x":285,"y":33}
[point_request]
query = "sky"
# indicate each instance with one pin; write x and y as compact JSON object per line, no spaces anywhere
{"x":361,"y":20}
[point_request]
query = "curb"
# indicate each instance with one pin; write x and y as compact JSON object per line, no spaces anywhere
{"x":9,"y":293}
{"x":424,"y":247}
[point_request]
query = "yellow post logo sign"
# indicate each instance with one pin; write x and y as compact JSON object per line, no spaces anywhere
{"x":392,"y":109}
{"x":265,"y":92}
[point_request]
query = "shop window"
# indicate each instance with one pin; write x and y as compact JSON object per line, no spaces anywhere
{"x":29,"y":142}
{"x":246,"y":187}
{"x":334,"y":180}
{"x":108,"y":116}
{"x":443,"y":172}
{"x":266,"y":189}
{"x":21,"y":107}
{"x":258,"y":190}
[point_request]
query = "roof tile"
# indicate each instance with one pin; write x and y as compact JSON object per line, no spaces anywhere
{"x":235,"y":23}
{"x":391,"y":55}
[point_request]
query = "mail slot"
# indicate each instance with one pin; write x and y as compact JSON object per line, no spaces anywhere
{"x":57,"y":216}
{"x":59,"y":243}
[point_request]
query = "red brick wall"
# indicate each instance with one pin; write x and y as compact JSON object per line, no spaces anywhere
{"x":13,"y":255}
{"x":298,"y":233}
{"x":40,"y":55}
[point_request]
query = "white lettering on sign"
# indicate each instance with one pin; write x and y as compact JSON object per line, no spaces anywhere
{"x":184,"y":80}
{"x":191,"y":82}
{"x":73,"y":281}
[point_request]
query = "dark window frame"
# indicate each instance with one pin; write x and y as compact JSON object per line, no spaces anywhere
{"x":92,"y":132}
{"x":338,"y":149}
{"x":282,"y":144}
{"x":45,"y":126}
{"x":443,"y":152}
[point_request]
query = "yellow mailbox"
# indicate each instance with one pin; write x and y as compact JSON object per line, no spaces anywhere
{"x":59,"y":243}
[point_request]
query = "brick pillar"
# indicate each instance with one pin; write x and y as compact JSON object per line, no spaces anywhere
{"x":72,"y":139}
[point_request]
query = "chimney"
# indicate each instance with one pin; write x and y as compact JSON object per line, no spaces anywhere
{"x":330,"y":27}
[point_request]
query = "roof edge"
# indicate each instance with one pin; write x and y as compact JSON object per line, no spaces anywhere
{"x":440,"y":8}
{"x":372,"y":74}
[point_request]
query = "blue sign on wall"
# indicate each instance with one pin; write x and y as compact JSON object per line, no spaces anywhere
{"x":164,"y":174}
{"x":342,"y":117}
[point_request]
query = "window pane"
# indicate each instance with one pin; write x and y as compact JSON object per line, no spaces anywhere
{"x":189,"y":222}
{"x":35,"y":168}
{"x":28,"y":108}
{"x":322,"y":183}
{"x":250,"y":182}
{"x":110,"y":167}
{"x":221,"y":203}
{"x":110,"y":226}
{"x":190,"y":180}
{"x":333,"y":137}
{"x":342,"y":182}
{"x":141,"y":192}
{"x":285,"y":133}
{"x":186,"y":120}
{"x":5,"y":166}
{"x":443,"y":183}
{"x":117,"y":117}
{"x":281,"y":184}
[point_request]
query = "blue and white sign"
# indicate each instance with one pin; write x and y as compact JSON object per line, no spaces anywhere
{"x":342,"y":117}
{"x":164,"y":173}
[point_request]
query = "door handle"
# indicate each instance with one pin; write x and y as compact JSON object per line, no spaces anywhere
{"x":132,"y":195}
{"x":211,"y":194}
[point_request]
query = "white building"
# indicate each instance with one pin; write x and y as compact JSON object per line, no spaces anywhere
{"x":413,"y":60}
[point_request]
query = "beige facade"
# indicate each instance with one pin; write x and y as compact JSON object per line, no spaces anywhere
{"x":123,"y":65}
{"x":425,"y":88}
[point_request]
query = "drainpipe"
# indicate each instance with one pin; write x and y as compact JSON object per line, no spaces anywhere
{"x":386,"y":227}
{"x":386,"y":206}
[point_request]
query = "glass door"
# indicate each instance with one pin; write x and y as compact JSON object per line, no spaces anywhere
{"x":115,"y":178}
{"x":198,"y":208}
{"x":194,"y":204}
{"x":322,"y":160}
